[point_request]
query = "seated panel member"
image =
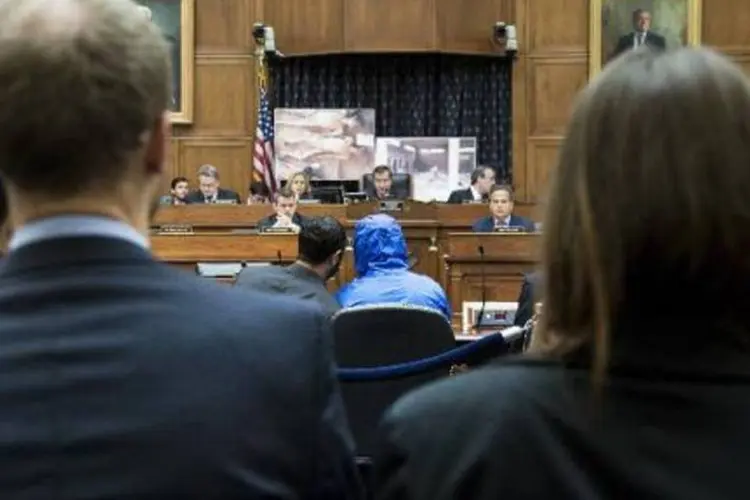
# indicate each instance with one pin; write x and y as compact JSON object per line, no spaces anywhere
{"x":209,"y":190}
{"x":482,"y":180}
{"x":321,"y":244}
{"x":259,"y":194}
{"x":501,"y":213}
{"x":285,"y":205}
{"x":383,"y":276}
{"x":178,"y":192}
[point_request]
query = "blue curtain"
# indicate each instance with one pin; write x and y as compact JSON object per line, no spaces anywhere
{"x":415,"y":95}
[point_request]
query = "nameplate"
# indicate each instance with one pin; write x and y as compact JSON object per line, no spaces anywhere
{"x":473,"y":202}
{"x":391,"y":206}
{"x":509,"y":229}
{"x":175,"y":229}
{"x":309,"y":202}
{"x":277,"y":230}
{"x":225,"y":202}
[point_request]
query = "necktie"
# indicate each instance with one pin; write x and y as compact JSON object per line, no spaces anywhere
{"x":641,"y":38}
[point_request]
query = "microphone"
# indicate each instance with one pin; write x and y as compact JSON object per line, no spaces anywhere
{"x":278,"y":257}
{"x":483,"y":273}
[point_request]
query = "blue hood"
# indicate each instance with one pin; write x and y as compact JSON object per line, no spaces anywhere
{"x":379,"y":245}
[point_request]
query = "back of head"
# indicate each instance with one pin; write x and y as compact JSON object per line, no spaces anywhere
{"x":82,"y":82}
{"x":650,"y":201}
{"x":379,"y":244}
{"x":320,"y":238}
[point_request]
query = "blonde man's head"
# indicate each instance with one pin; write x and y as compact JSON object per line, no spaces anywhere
{"x":84,"y":86}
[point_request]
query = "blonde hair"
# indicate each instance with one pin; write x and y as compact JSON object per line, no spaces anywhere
{"x":81,"y":83}
{"x":648,"y":203}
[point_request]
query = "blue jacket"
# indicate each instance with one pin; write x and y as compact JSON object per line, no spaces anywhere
{"x":487,"y":224}
{"x":383,"y":276}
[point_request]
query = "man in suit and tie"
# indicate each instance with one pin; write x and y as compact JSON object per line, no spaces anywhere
{"x":381,"y":188}
{"x":321,"y":245}
{"x":642,"y":36}
{"x":482,"y":180}
{"x":209,"y":190}
{"x":123,"y":377}
{"x":501,"y":213}
{"x":285,"y":212}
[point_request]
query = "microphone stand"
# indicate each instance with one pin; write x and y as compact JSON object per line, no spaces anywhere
{"x":483,"y":273}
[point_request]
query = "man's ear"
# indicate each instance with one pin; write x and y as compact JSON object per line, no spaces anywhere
{"x":155,"y":154}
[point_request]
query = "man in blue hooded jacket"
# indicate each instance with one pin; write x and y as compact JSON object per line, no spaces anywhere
{"x":383,"y":276}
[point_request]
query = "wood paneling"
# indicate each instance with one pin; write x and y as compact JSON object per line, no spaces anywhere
{"x":552,"y":67}
{"x":389,"y":25}
{"x":225,"y":26}
{"x":306,"y":27}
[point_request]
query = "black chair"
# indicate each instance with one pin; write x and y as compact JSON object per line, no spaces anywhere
{"x":401,"y":187}
{"x":372,"y":336}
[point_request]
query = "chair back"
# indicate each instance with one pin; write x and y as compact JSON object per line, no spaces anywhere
{"x":401,"y":187}
{"x":371,"y":336}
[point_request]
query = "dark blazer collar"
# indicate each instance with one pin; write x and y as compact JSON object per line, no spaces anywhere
{"x":305,"y":273}
{"x":56,"y":252}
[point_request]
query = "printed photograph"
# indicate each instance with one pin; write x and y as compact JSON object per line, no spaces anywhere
{"x":434,"y":163}
{"x":328,"y":144}
{"x":622,"y":25}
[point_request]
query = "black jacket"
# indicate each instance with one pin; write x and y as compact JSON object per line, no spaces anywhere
{"x":122,"y":377}
{"x":221,"y":195}
{"x":672,"y":424}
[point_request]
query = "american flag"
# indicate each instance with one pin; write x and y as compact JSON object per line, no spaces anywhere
{"x":263,"y":148}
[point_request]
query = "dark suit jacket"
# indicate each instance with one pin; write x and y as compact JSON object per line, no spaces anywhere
{"x":270,"y":220}
{"x":653,"y":41}
{"x":122,"y":377}
{"x":672,"y":425}
{"x":526,"y":299}
{"x":295,"y":280}
{"x":487,"y":224}
{"x":460,"y":196}
{"x":221,"y":194}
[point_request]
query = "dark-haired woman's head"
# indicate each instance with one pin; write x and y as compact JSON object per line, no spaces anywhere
{"x":649,"y":206}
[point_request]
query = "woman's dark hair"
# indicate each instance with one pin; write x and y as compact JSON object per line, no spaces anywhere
{"x":649,"y":204}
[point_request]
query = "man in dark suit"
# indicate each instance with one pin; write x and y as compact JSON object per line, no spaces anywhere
{"x":501,"y":213}
{"x":642,"y":36}
{"x":123,"y":377}
{"x":482,"y":180}
{"x":285,"y":212}
{"x":322,"y":241}
{"x":209,"y":190}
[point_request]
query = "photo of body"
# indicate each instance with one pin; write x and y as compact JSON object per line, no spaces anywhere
{"x":327,"y":144}
{"x":618,"y":26}
{"x":433,"y":163}
{"x":175,"y":18}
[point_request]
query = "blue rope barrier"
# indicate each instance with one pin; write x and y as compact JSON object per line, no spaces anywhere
{"x":416,"y":367}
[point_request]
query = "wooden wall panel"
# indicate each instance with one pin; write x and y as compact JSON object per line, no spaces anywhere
{"x":552,"y":67}
{"x":224,"y":26}
{"x":305,"y":26}
{"x":390,"y":25}
{"x":225,"y":94}
{"x":467,"y":26}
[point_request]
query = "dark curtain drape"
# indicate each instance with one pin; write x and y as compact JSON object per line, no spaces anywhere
{"x":418,"y":95}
